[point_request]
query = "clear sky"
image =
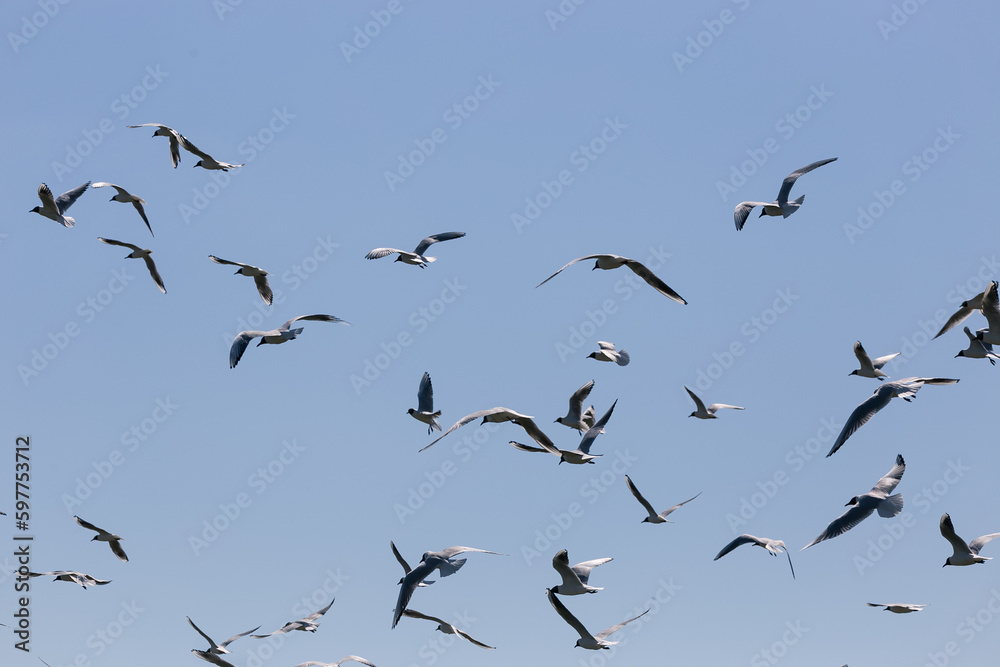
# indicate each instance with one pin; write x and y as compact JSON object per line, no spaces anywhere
{"x":546,"y":131}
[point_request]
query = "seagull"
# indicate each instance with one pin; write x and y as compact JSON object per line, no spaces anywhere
{"x":208,"y":656}
{"x":308,"y":624}
{"x":707,"y":413}
{"x":72,"y":576}
{"x":458,"y":563}
{"x":862,"y":506}
{"x":967,"y":308}
{"x":608,"y":262}
{"x":781,"y":206}
{"x":55,"y":208}
{"x":355,"y":658}
{"x":206,"y":161}
{"x":609,"y":353}
{"x":416,"y":257}
{"x":582,"y":453}
{"x":906,"y":389}
{"x":213,"y":647}
{"x":899,"y":608}
{"x":653,"y":516}
{"x":443,"y":626}
{"x":575,"y":578}
{"x":498,"y":415}
{"x":587,"y":640}
{"x":577,"y":417}
{"x":425,"y":405}
{"x":104,"y":536}
{"x":978,"y":349}
{"x":774,"y":547}
{"x":869,"y":368}
{"x":137,"y":253}
{"x":274,"y":336}
{"x":965,"y":554}
{"x":173,"y":135}
{"x":430,"y":561}
{"x":259,"y":277}
{"x":125,"y":197}
{"x":991,"y":309}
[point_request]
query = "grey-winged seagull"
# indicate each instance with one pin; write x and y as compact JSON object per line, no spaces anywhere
{"x":781,"y":206}
{"x":219,"y":647}
{"x":172,"y":135}
{"x":125,"y":197}
{"x":964,"y":553}
{"x":347,"y":658}
{"x":773,"y":547}
{"x":576,"y":417}
{"x":415,"y":258}
{"x":608,"y":262}
{"x":425,"y":405}
{"x":114,"y":541}
{"x":445,"y":627}
{"x":308,"y":624}
{"x":72,"y":576}
{"x":587,"y":640}
{"x":703,"y":412}
{"x":968,"y":307}
{"x":497,"y":415}
{"x":579,"y":455}
{"x":274,"y":336}
{"x":139,"y":253}
{"x":575,"y":578}
{"x":54,"y":208}
{"x":259,"y":277}
{"x":898,"y":607}
{"x":870,"y":368}
{"x":991,"y":309}
{"x":653,"y":516}
{"x":607,"y":352}
{"x":978,"y":349}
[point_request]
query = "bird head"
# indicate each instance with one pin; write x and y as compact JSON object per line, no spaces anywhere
{"x":199,"y":163}
{"x":852,"y":501}
{"x":410,"y":411}
{"x":37,"y":209}
{"x":237,"y":272}
{"x":761,"y":212}
{"x":693,"y":414}
{"x":852,"y":373}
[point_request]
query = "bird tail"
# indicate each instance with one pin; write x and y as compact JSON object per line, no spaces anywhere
{"x":292,"y":333}
{"x":68,"y":221}
{"x":451,"y":566}
{"x":891,"y":506}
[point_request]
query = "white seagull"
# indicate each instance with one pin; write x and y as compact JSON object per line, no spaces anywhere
{"x":308,"y":624}
{"x":898,"y":607}
{"x":978,"y":349}
{"x":862,"y":506}
{"x":416,"y":258}
{"x":608,"y":262}
{"x":173,"y":135}
{"x":774,"y":547}
{"x":206,"y":161}
{"x":870,"y":368}
{"x":114,"y":541}
{"x":259,"y":277}
{"x":445,"y":627}
{"x":965,"y":554}
{"x":498,"y":415}
{"x":579,"y":455}
{"x":702,"y":412}
{"x":575,"y":578}
{"x":139,"y":253}
{"x":609,"y":353}
{"x":905,"y":389}
{"x":219,"y":648}
{"x":991,"y":309}
{"x":274,"y":336}
{"x":54,"y":208}
{"x":653,"y":516}
{"x":781,"y":206}
{"x":430,"y":561}
{"x":425,"y":405}
{"x":457,"y":562}
{"x":577,"y":417}
{"x":967,"y":308}
{"x":347,"y":658}
{"x":125,"y":197}
{"x":587,"y":640}
{"x":72,"y":576}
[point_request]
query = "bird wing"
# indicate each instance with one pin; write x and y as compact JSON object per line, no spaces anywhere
{"x":476,"y":415}
{"x":596,"y":430}
{"x":212,"y":658}
{"x":576,"y":401}
{"x":142,"y":213}
{"x":863,"y":358}
{"x":379,"y":253}
{"x":560,"y":563}
{"x":566,"y":615}
{"x":465,"y":635}
{"x":529,"y":448}
{"x":191,"y":148}
{"x":786,"y":185}
{"x":211,"y":642}
{"x":622,"y":358}
{"x":578,"y":259}
{"x":605,"y":345}
{"x":450,"y":552}
{"x":66,"y":199}
{"x":240,"y":345}
{"x":991,"y":307}
{"x":615,"y":628}
{"x":868,"y":408}
{"x":413,"y":613}
{"x":90,"y":526}
{"x":536,"y":434}
{"x":584,"y":569}
{"x":653,"y":281}
{"x":739,"y":541}
{"x":430,"y":240}
{"x":121,"y":243}
{"x":399,"y":557}
{"x":960,"y":315}
{"x":891,"y":478}
{"x":219,"y":260}
{"x":948,"y":532}
{"x":719,"y":406}
{"x":116,"y":548}
{"x":315,"y":615}
{"x":698,"y":404}
{"x":977,"y":544}
{"x":742,"y":212}
{"x":313,"y":318}
{"x":153,"y":272}
{"x":425,"y":394}
{"x":235,"y":637}
{"x":121,"y":190}
{"x":879,"y":362}
{"x":263,"y":288}
{"x":665,"y":513}
{"x":409,"y":584}
{"x":639,"y":497}
{"x":355,"y":659}
{"x":843,"y":523}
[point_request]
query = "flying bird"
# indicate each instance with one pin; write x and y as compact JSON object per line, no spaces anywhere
{"x":114,"y":541}
{"x":213,"y":658}
{"x":587,"y":640}
{"x":978,"y":349}
{"x":991,"y":309}
{"x":72,"y":576}
{"x":967,"y":308}
{"x":577,"y":417}
{"x":274,"y":336}
{"x":774,"y":547}
{"x":575,"y":579}
{"x":308,"y":624}
{"x":608,"y":262}
{"x":870,"y":368}
{"x":781,"y":206}
{"x":219,"y":648}
{"x":348,"y":658}
{"x":139,"y":253}
{"x":125,"y":197}
{"x":54,"y":208}
{"x":899,"y":608}
{"x":582,"y":453}
{"x":498,"y":415}
{"x":906,"y":389}
{"x":425,"y":405}
{"x":430,"y":561}
{"x":653,"y":516}
{"x":701,"y":412}
{"x":416,"y":257}
{"x":172,"y":135}
{"x":445,"y":627}
{"x":259,"y":277}
{"x":457,"y":562}
{"x":862,"y":506}
{"x":965,"y":554}
{"x":609,"y":353}
{"x":206,"y":161}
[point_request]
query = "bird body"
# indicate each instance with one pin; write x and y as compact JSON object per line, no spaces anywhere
{"x":575,"y":579}
{"x":607,"y":352}
{"x":54,"y":208}
{"x":870,"y":368}
{"x":703,"y":412}
{"x":425,"y":405}
{"x":964,"y":553}
{"x":577,"y":417}
{"x":73,"y":577}
{"x":899,"y":608}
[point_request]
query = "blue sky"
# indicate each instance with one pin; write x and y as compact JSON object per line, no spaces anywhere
{"x":545,"y":131}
